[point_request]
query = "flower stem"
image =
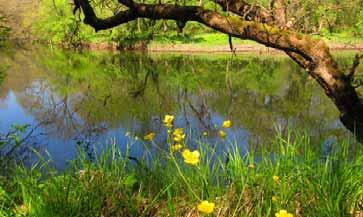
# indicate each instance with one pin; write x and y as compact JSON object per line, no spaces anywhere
{"x":183,"y":177}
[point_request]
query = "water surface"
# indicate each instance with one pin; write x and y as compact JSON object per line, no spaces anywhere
{"x":92,"y":99}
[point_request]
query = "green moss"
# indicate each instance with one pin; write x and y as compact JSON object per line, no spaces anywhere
{"x":300,"y":36}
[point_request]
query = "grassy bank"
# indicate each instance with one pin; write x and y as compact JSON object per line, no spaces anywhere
{"x":219,"y":42}
{"x":210,"y":42}
{"x":215,"y":39}
{"x":289,"y":174}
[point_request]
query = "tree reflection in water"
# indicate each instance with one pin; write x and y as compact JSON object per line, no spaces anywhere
{"x":85,"y":98}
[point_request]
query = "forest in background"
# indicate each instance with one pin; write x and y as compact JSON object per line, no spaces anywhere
{"x":53,"y":22}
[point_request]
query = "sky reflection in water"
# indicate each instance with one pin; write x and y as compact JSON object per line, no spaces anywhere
{"x":93,"y":99}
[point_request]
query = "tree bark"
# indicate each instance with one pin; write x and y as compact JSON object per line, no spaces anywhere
{"x":257,"y":24}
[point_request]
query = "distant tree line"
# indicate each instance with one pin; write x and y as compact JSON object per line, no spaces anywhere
{"x":55,"y":21}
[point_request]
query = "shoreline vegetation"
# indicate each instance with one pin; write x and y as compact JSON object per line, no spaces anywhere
{"x":191,"y":48}
{"x":34,"y":23}
{"x":289,"y":177}
{"x":209,"y":42}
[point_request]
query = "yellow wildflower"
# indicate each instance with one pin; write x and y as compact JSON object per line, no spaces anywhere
{"x":176,"y":147}
{"x":178,"y":135}
{"x":81,"y":174}
{"x":191,"y":157}
{"x":283,"y":213}
{"x":149,"y":137}
{"x":275,"y":198}
{"x":168,"y":121}
{"x":227,"y":124}
{"x":222,"y":134}
{"x":21,"y":210}
{"x":205,"y":133}
{"x":276,"y":178}
{"x":251,"y":166}
{"x":206,"y":207}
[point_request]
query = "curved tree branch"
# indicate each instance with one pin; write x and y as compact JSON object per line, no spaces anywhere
{"x":310,"y":53}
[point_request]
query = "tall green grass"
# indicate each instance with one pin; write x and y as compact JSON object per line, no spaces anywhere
{"x":311,"y":182}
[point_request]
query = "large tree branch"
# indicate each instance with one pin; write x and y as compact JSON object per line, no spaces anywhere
{"x":312,"y":54}
{"x":239,"y":7}
{"x":108,"y":23}
{"x":321,"y":68}
{"x":270,"y":36}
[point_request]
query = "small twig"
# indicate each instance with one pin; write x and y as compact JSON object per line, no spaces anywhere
{"x":355,"y":65}
{"x":233,"y":50}
{"x":248,"y":11}
{"x":77,"y":6}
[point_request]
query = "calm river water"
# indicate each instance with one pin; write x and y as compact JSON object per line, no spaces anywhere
{"x":92,"y":99}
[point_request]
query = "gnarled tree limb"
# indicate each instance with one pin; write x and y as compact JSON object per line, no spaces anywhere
{"x":310,"y":53}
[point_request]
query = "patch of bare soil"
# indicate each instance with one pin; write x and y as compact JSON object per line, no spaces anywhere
{"x":18,"y":15}
{"x":238,"y":48}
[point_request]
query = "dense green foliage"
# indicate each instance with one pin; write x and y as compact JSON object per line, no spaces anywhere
{"x":322,"y":181}
{"x":327,"y":17}
{"x":55,"y":23}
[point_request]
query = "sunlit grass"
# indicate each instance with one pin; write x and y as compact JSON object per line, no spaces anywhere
{"x":212,"y":39}
{"x":298,"y":178}
{"x":201,"y":39}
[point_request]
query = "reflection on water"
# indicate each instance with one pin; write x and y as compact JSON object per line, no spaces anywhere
{"x":89,"y":98}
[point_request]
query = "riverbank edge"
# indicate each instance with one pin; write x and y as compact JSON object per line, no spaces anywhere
{"x":240,"y":48}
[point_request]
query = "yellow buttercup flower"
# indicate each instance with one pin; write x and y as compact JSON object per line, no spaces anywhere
{"x":176,"y":147}
{"x":275,"y":198}
{"x":222,"y":134}
{"x":178,"y":138}
{"x":251,"y":166}
{"x":178,"y":135}
{"x":205,"y":133}
{"x":178,"y":131}
{"x":206,"y":207}
{"x":227,"y":124}
{"x":168,"y":121}
{"x":191,"y":158}
{"x":149,"y":137}
{"x":276,"y":178}
{"x":283,"y":213}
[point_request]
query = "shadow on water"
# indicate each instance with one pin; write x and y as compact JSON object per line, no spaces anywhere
{"x":85,"y":99}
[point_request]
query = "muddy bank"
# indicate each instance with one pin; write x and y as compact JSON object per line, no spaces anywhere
{"x":238,"y":48}
{"x":19,"y":17}
{"x":156,"y":47}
